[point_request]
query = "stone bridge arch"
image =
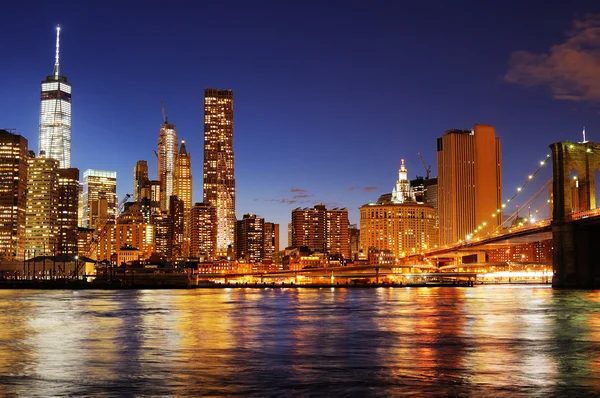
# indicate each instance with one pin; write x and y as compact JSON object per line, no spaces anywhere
{"x":584,"y":158}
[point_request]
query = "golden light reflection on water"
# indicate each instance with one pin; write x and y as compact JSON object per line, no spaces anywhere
{"x":273,"y":341}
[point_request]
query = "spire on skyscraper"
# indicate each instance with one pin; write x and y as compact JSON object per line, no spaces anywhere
{"x":56,"y":63}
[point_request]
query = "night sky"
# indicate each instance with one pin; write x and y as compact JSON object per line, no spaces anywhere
{"x":328,"y":96}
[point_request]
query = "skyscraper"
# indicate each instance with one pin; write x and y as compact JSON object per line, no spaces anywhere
{"x":182,"y":188}
{"x":68,"y":201}
{"x":42,"y":205}
{"x":271,"y":239}
{"x":203,"y":231}
{"x":469,"y":182}
{"x":140,"y":181}
{"x":219,"y":180}
{"x":166,"y":157}
{"x":55,"y":115}
{"x":99,"y":197}
{"x":13,"y":197}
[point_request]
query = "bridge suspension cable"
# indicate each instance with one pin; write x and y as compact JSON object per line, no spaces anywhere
{"x":498,"y":212}
{"x":514,"y":216}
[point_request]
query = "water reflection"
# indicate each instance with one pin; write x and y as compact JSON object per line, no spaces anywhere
{"x":489,"y":340}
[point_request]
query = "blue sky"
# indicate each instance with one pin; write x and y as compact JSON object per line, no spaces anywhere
{"x":328,"y":96}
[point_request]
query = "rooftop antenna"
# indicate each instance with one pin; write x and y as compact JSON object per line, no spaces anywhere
{"x":56,"y":64}
{"x":162,"y":106}
{"x":584,"y":141}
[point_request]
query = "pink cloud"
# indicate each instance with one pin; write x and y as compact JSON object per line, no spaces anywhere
{"x":569,"y":69}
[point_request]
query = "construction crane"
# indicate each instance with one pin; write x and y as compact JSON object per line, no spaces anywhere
{"x":102,"y":228}
{"x":162,"y":106}
{"x":427,"y":168}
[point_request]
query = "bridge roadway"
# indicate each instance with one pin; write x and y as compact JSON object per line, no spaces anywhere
{"x":359,"y":271}
{"x":516,"y":236}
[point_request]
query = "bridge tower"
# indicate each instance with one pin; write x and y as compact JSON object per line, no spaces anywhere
{"x":576,"y":261}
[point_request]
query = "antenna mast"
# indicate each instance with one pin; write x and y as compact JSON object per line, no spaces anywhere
{"x":162,"y":106}
{"x":56,"y":64}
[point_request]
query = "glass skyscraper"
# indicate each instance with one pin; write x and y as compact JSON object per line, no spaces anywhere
{"x":55,"y":115}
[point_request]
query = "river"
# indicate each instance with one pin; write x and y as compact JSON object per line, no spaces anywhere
{"x":502,"y":340}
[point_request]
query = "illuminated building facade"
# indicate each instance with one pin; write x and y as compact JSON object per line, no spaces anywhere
{"x":166,"y":156}
{"x":321,"y":230}
{"x":68,"y":203}
{"x":176,"y":228}
{"x":271,"y":239}
{"x":55,"y":115}
{"x":402,"y":228}
{"x":183,"y":190}
{"x":250,"y":238}
{"x":397,"y":223}
{"x":469,"y":183}
{"x":42,"y":206}
{"x":219,"y":180}
{"x":99,"y":197}
{"x":13,"y":194}
{"x":130,"y":231}
{"x":141,"y":184}
{"x":203,"y":227}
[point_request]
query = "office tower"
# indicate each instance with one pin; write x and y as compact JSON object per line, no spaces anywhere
{"x":162,"y":224}
{"x":182,"y":188}
{"x":401,"y":225}
{"x":203,"y":228}
{"x":140,"y":181}
{"x":321,"y":230}
{"x":13,"y":197}
{"x":68,"y":203}
{"x":219,"y":180}
{"x":99,"y":197}
{"x":469,"y":183}
{"x":175,"y":237}
{"x":55,"y":115}
{"x":250,"y":242}
{"x":42,"y":205}
{"x":271,"y":239}
{"x":166,"y":156}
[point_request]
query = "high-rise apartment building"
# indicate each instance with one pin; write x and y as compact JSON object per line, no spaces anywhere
{"x":321,"y":230}
{"x":219,"y":180}
{"x":13,"y":194}
{"x":469,"y":183}
{"x":203,"y":236}
{"x":42,"y":205}
{"x":271,"y":239}
{"x":55,"y":115}
{"x":176,"y":228}
{"x":99,"y":197}
{"x":141,"y":183}
{"x":68,"y":203}
{"x":398,"y":223}
{"x":166,"y":157}
{"x":250,"y":242}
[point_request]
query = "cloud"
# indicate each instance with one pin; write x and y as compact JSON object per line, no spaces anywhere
{"x":369,"y":189}
{"x":301,"y":196}
{"x":352,"y":188}
{"x":284,"y":201}
{"x":570,"y":69}
{"x":300,"y":190}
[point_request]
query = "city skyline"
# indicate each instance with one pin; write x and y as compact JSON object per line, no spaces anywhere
{"x":291,"y":151}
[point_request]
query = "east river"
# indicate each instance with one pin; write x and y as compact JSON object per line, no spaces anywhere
{"x":479,"y":341}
